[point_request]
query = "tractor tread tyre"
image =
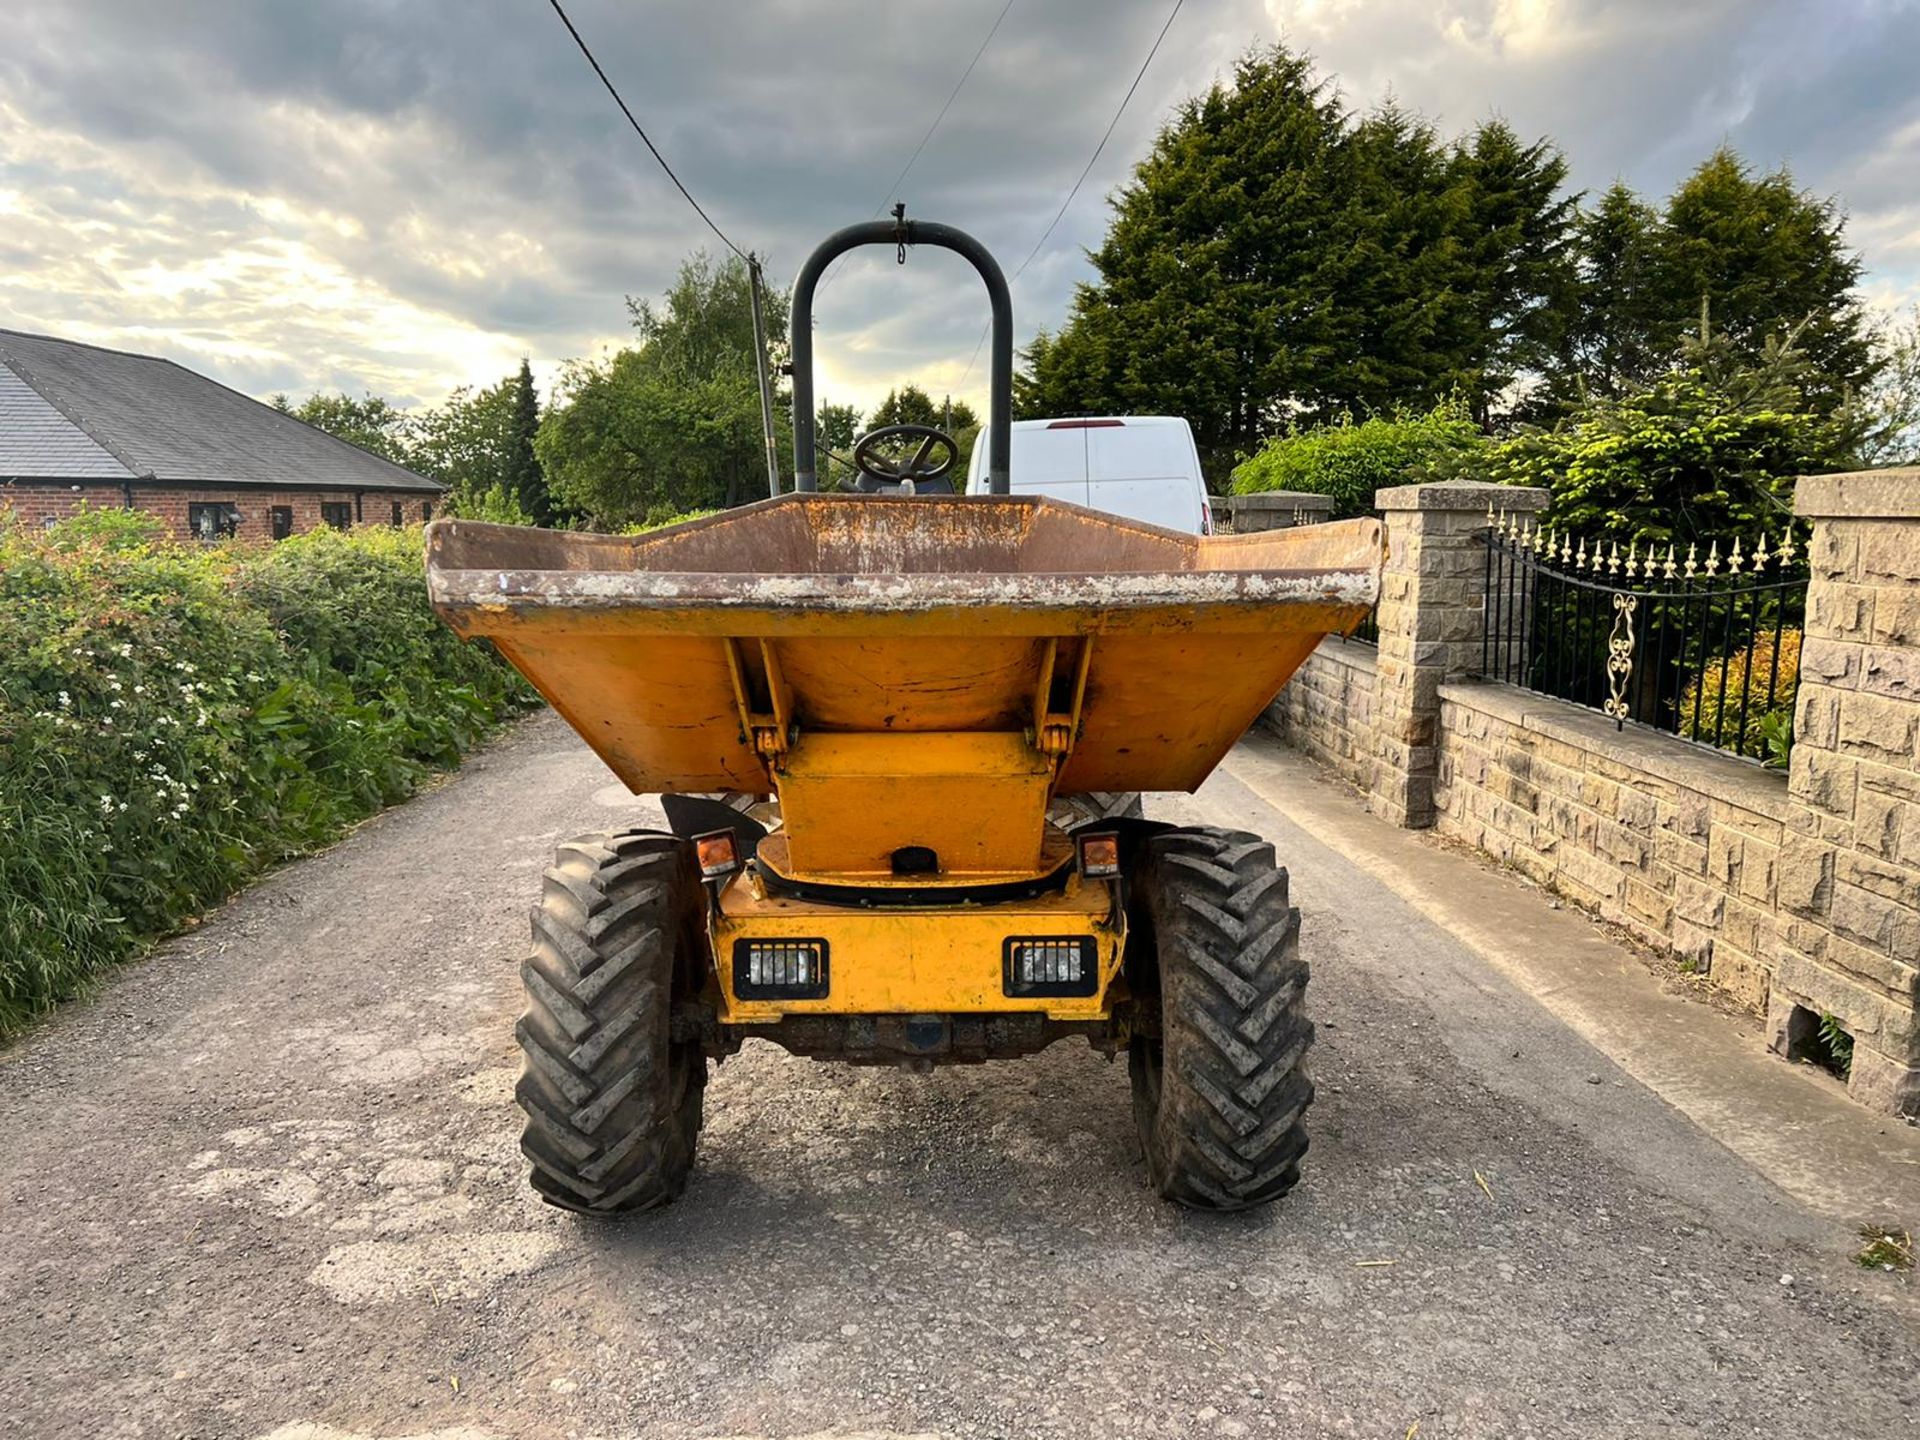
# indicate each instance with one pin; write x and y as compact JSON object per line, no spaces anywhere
{"x":612,"y":1104}
{"x":1071,"y":811}
{"x":1221,"y":1094}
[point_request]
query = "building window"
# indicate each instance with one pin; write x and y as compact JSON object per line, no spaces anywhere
{"x":337,"y":513}
{"x":282,"y":521}
{"x":399,"y":519}
{"x":426,"y":509}
{"x":214,"y":521}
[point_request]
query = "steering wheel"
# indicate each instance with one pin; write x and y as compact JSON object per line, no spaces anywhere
{"x":887,"y":460}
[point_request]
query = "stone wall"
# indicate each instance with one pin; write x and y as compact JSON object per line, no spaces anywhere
{"x":1796,"y":894}
{"x":1327,"y":709}
{"x":1675,"y":842}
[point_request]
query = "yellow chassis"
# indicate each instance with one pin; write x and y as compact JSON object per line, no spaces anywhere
{"x":918,"y":960}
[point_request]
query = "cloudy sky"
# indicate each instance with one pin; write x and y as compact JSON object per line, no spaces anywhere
{"x":406,"y":195}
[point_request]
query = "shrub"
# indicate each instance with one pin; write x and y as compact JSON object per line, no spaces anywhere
{"x":173,"y":718}
{"x":647,"y":527}
{"x":1349,"y":460}
{"x":1748,"y":676}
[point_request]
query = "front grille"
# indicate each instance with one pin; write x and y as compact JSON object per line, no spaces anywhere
{"x":1048,"y":965}
{"x":783,"y":969}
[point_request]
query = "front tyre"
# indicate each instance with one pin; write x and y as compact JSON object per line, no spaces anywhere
{"x":1219,"y":1088}
{"x":612,"y":1100}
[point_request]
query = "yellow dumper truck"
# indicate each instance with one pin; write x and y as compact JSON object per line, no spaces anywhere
{"x":890,"y":689}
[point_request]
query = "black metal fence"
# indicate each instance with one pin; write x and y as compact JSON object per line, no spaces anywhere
{"x":1704,"y":647}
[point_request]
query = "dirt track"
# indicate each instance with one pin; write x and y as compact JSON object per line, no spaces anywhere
{"x":267,"y":1184}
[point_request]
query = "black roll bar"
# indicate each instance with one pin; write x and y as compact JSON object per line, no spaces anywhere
{"x":903,"y":232}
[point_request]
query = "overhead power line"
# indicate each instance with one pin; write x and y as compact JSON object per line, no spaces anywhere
{"x":893,"y":190}
{"x":1106,"y":135}
{"x":1085,"y":170}
{"x":641,"y":132}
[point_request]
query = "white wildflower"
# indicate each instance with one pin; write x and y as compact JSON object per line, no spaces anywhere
{"x":65,"y":699}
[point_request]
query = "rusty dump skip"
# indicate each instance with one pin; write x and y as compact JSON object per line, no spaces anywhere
{"x":691,"y":657}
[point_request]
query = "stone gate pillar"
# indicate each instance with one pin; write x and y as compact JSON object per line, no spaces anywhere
{"x":1849,"y":875}
{"x":1432,"y":603}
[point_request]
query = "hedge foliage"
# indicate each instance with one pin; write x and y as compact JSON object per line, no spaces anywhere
{"x":1743,"y":682}
{"x":1350,"y":460}
{"x":174,"y":718}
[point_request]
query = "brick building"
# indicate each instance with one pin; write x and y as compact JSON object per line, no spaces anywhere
{"x":81,"y":424}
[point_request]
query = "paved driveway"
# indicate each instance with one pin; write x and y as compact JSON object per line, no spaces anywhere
{"x":267,"y":1184}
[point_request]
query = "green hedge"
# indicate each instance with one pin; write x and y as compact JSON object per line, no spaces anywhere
{"x":174,"y":718}
{"x":1350,"y":460}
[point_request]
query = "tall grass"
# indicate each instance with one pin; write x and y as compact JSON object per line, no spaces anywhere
{"x":174,"y":718}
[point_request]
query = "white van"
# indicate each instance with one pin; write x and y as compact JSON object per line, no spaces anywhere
{"x":1145,"y":467}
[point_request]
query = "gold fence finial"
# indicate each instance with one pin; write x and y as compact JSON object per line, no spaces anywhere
{"x":1672,"y":569}
{"x":1613,"y":562}
{"x":1713,"y":558}
{"x":1733,"y":560}
{"x":1785,"y":553}
{"x":1633,"y":558}
{"x":1760,"y":554}
{"x":1693,"y":548}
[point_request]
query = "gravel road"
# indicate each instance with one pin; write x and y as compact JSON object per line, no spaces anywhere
{"x":266,"y":1184}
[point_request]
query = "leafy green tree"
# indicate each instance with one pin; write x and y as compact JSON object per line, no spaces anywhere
{"x":1707,"y":451}
{"x":1766,"y":258}
{"x":465,"y":442}
{"x":835,"y":428}
{"x":672,"y":424}
{"x":1217,"y":274}
{"x":480,"y":441}
{"x":369,"y":422}
{"x":1612,"y":340}
{"x":1276,"y":261}
{"x":1516,"y":238}
{"x":1763,"y":258}
{"x":524,"y":477}
{"x":1402,"y":272}
{"x":910,"y":405}
{"x":1891,"y":408}
{"x":1349,"y":460}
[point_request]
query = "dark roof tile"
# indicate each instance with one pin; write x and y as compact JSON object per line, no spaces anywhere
{"x":108,"y":414}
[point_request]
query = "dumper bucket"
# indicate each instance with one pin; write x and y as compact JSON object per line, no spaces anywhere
{"x":695,"y":658}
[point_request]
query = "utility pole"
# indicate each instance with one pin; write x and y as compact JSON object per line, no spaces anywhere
{"x":766,"y":379}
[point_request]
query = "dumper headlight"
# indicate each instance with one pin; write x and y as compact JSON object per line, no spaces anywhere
{"x":1051,"y":965}
{"x":780,"y":969}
